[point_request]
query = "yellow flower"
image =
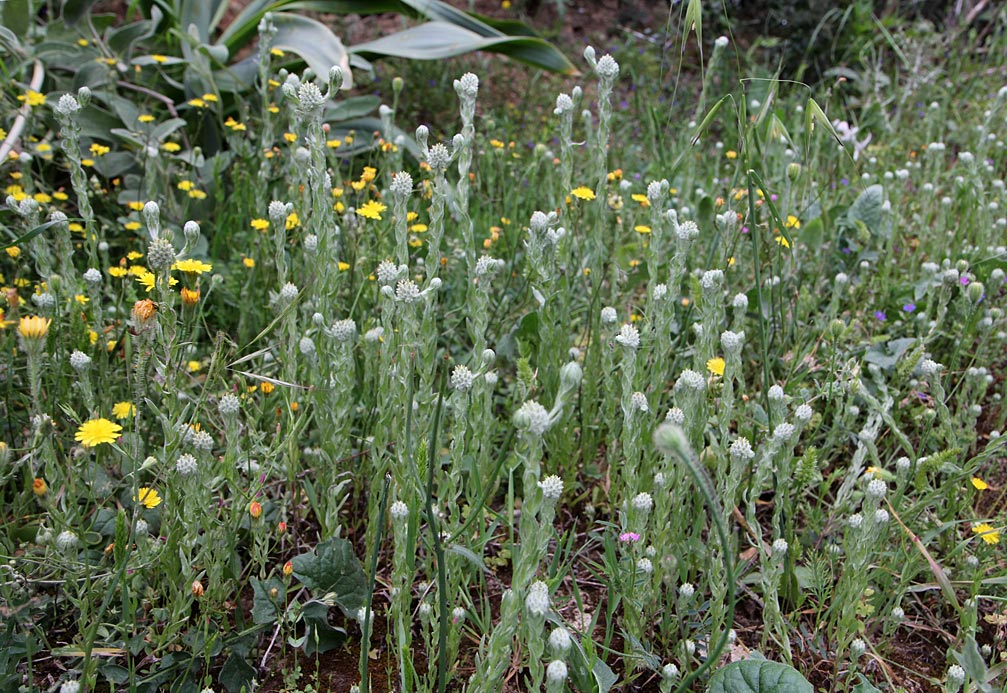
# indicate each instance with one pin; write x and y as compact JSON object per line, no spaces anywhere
{"x":371,"y":209}
{"x":34,"y":327}
{"x":497,"y":144}
{"x":979,"y":484}
{"x":117,"y":272}
{"x":196,"y":103}
{"x":248,"y":262}
{"x":793,"y":222}
{"x":81,"y":299}
{"x":235,"y":125}
{"x":277,"y":52}
{"x":343,"y":266}
{"x":184,"y":185}
{"x":158,"y":58}
{"x":583,"y":193}
{"x":38,"y":487}
{"x":192,"y":266}
{"x":783,"y":241}
{"x":131,"y":226}
{"x":210,"y":97}
{"x":145,"y":118}
{"x":32,"y":98}
{"x":293,"y":221}
{"x":134,"y":255}
{"x":259,"y":224}
{"x":197,"y":194}
{"x":148,"y":497}
{"x":42,"y":198}
{"x":731,"y":154}
{"x":987,"y":532}
{"x":418,"y":228}
{"x":99,"y":149}
{"x":642,"y":228}
{"x":171,"y":147}
{"x":190,"y":297}
{"x":97,"y":431}
{"x":123,"y":410}
{"x":369,"y":174}
{"x":193,"y":366}
{"x":266,"y":387}
{"x":715,"y":366}
{"x":290,"y":137}
{"x":642,"y":199}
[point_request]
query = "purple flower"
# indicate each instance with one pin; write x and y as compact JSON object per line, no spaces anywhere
{"x":909,"y":307}
{"x":964,"y":280}
{"x":844,"y":181}
{"x":629,"y":537}
{"x":880,"y":315}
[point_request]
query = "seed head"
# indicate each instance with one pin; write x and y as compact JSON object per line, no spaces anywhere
{"x":552,"y":487}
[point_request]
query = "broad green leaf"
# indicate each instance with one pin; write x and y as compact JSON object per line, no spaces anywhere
{"x":314,"y":43}
{"x":264,"y":606}
{"x":867,"y":208}
{"x":9,"y":40}
{"x":439,"y":40}
{"x":332,"y":568}
{"x":865,"y":686}
{"x":74,"y":10}
{"x":319,"y":636}
{"x":971,"y":660}
{"x":353,"y":107}
{"x":120,"y":40}
{"x":16,"y":16}
{"x":236,"y":674}
{"x":759,"y":676}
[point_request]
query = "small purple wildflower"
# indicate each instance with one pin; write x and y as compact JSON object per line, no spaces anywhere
{"x":880,"y":315}
{"x":629,"y":537}
{"x":965,"y":281}
{"x":909,"y":307}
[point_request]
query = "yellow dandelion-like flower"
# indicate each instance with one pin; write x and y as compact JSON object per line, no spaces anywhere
{"x":97,"y":431}
{"x":418,"y":228}
{"x":716,"y":366}
{"x":123,"y":410}
{"x":979,"y":484}
{"x":371,"y":209}
{"x":343,"y":266}
{"x":987,"y":532}
{"x":290,"y":137}
{"x":131,"y":226}
{"x":192,"y":266}
{"x":145,"y":118}
{"x":171,"y":147}
{"x":148,"y":497}
{"x":193,"y":366}
{"x":583,"y":193}
{"x":34,"y":327}
{"x":293,"y":221}
{"x":259,"y":224}
{"x":235,"y":125}
{"x":248,"y":262}
{"x":333,"y":144}
{"x":642,"y":199}
{"x":783,"y":241}
{"x":81,"y":299}
{"x":793,"y":222}
{"x":276,"y":52}
{"x":642,"y":228}
{"x":117,"y":272}
{"x":731,"y":154}
{"x":32,"y":98}
{"x":158,"y":58}
{"x":99,"y":149}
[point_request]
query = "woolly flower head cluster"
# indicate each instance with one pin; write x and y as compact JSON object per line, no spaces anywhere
{"x":462,"y":378}
{"x":628,"y":336}
{"x":537,"y":601}
{"x":690,"y":380}
{"x":467,"y":87}
{"x":533,"y":418}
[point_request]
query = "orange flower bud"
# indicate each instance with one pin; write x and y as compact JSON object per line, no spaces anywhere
{"x":190,"y":297}
{"x":39,"y":487}
{"x":288,"y":568}
{"x":197,"y":589}
{"x":143,"y":311}
{"x":255,"y":509}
